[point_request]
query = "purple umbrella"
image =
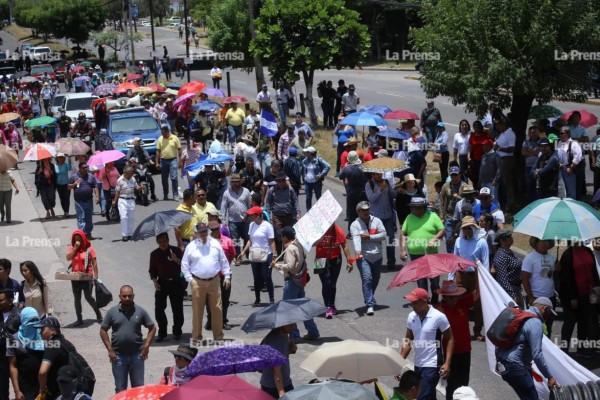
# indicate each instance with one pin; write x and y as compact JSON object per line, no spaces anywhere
{"x":105,"y":89}
{"x":232,"y":359}
{"x":213,"y":92}
{"x":183,"y":98}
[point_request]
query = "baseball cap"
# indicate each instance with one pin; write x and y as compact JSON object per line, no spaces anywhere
{"x":165,"y":126}
{"x":454,"y":171}
{"x":310,"y":149}
{"x":464,"y":393}
{"x":48,"y":322}
{"x":293,"y":151}
{"x":544,"y":141}
{"x":440,"y":125}
{"x":256,"y":210}
{"x":288,"y":232}
{"x":485,"y":192}
{"x":202,"y":227}
{"x":363,"y":205}
{"x":544,"y":301}
{"x":417,"y":294}
{"x":281,"y":176}
{"x":214,"y":225}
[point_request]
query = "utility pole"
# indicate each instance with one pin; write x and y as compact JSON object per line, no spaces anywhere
{"x":152,"y":24}
{"x":258,"y":68}
{"x":131,"y":36}
{"x":187,"y":36}
{"x":125,"y":28}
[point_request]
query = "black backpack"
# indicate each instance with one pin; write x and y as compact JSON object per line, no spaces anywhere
{"x":86,"y":380}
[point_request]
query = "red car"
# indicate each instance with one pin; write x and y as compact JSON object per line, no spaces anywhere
{"x":59,"y":69}
{"x":38,"y":71}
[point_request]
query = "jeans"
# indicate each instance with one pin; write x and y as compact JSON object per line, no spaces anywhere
{"x":64,"y":196}
{"x":424,"y":284}
{"x":171,"y":123}
{"x":86,"y":288}
{"x":520,"y":379}
{"x":460,"y":368}
{"x":430,"y":377}
{"x":264,"y":158}
{"x":5,"y":204}
{"x":107,"y":201}
{"x":370,"y":272}
{"x":216,"y":83}
{"x":390,"y":229}
{"x":570,"y":183}
{"x":124,"y":366}
{"x":239,"y":232}
{"x":261,"y":271}
{"x":283,"y":112}
{"x":449,"y":225}
{"x":329,"y":277}
{"x":85,"y":210}
{"x":234,"y":133}
{"x":172,"y":290}
{"x":309,"y":187}
{"x":530,"y":185}
{"x":168,"y":170}
{"x":292,"y":290}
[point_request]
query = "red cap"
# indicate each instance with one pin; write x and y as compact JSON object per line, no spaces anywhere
{"x":417,"y":294}
{"x":256,"y":210}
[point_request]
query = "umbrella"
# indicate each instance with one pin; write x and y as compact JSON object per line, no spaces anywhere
{"x":355,"y":360}
{"x":541,"y":111}
{"x":207,"y":159}
{"x":383,"y":165}
{"x":172,"y":92}
{"x":381,"y":110}
{"x":105,"y":89}
{"x":8,"y":157}
{"x":28,"y":79}
{"x":157,"y":88}
{"x":430,"y":266}
{"x":148,"y":392}
{"x":401,"y":114}
{"x":228,"y":360}
{"x":555,"y":219}
{"x":76,"y":48}
{"x":104,"y":157}
{"x":32,"y":123}
{"x":78,"y":69}
{"x":124,"y":87}
{"x":213,"y":92}
{"x":174,"y":85}
{"x":230,"y":387}
{"x":363,"y":119}
{"x":39,"y":151}
{"x":7,"y":117}
{"x":182,"y":99}
{"x":192,"y":87}
{"x":331,"y":390}
{"x":160,"y":222}
{"x":143,"y":90}
{"x":234,"y":99}
{"x":206,"y":105}
{"x":20,"y":74}
{"x":86,"y":63}
{"x":393,"y":134}
{"x":134,"y":77}
{"x":587,"y":118}
{"x":71,"y":146}
{"x":284,"y":312}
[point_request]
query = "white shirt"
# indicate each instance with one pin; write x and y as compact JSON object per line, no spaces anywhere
{"x":461,"y":143}
{"x":425,"y":340}
{"x":282,"y":96}
{"x":563,"y":148}
{"x":125,"y":187}
{"x":504,"y":140}
{"x":350,"y":101}
{"x":204,"y":260}
{"x":214,"y":71}
{"x":541,"y":268}
{"x":263,"y":97}
{"x":260,"y":235}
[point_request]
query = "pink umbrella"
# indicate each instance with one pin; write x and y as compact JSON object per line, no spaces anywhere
{"x":587,"y":118}
{"x":430,"y":266}
{"x":184,"y":98}
{"x":134,"y":77}
{"x":401,"y":114}
{"x":228,"y":387}
{"x":100,"y":159}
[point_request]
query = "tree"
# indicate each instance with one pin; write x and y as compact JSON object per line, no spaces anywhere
{"x":79,"y":18}
{"x":228,"y":31}
{"x":301,"y":36}
{"x":507,"y":52}
{"x":114,"y":40}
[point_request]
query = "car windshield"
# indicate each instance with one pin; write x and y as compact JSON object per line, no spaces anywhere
{"x":41,"y":70}
{"x":132,"y":124}
{"x":38,"y":51}
{"x":84,"y":103}
{"x":58,"y":101}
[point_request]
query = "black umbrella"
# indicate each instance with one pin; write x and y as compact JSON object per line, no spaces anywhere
{"x":282,"y":313}
{"x":175,"y":86}
{"x":76,"y":48}
{"x":160,"y":222}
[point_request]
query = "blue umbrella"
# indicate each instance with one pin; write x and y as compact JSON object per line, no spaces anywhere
{"x":206,"y":105}
{"x":284,"y":312}
{"x":160,"y":222}
{"x":377,"y":109}
{"x":206,"y":159}
{"x":363,"y":119}
{"x":393,"y":134}
{"x":174,"y":85}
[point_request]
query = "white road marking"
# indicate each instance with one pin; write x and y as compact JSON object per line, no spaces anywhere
{"x":392,"y":94}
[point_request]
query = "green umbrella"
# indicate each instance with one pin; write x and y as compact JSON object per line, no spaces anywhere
{"x":558,"y":219}
{"x":542,"y":111}
{"x":89,"y":64}
{"x":32,"y":123}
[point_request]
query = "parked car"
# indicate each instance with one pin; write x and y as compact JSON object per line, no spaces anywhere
{"x":58,"y":102}
{"x":59,"y":67}
{"x":41,"y":54}
{"x":7,"y":72}
{"x":79,"y":102}
{"x":38,"y":71}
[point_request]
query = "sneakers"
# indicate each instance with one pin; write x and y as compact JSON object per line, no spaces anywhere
{"x":308,"y":336}
{"x":370,"y":311}
{"x":335,"y":311}
{"x":329,"y":313}
{"x":176,"y":197}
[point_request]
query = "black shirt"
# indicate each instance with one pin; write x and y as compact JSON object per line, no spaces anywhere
{"x":162,"y":267}
{"x":58,"y":357}
{"x":212,"y":183}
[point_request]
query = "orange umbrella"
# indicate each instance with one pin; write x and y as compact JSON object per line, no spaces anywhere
{"x":192,"y":87}
{"x":124,"y":87}
{"x":148,"y":392}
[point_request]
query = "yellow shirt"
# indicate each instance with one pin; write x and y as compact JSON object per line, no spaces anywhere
{"x":235,"y":118}
{"x":168,"y":147}
{"x":187,"y":228}
{"x":202,"y":212}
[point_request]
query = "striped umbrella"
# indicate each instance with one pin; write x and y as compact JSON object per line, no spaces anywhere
{"x":39,"y":151}
{"x":558,"y":219}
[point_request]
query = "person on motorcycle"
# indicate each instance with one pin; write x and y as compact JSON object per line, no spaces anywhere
{"x":138,"y":155}
{"x":83,"y":129}
{"x":64,"y":123}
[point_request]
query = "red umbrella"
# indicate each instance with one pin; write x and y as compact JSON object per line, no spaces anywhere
{"x":124,"y":87}
{"x":587,"y":118}
{"x":400,"y":114}
{"x":133,"y":77}
{"x":78,"y":68}
{"x":148,"y":392}
{"x":192,"y":87}
{"x":156,"y":88}
{"x":228,"y":387}
{"x":234,"y":99}
{"x":430,"y":266}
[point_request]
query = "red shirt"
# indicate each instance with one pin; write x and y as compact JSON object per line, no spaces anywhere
{"x":344,"y":159}
{"x":476,"y":144}
{"x":78,"y":261}
{"x":329,"y":244}
{"x":583,"y":264}
{"x":459,"y":322}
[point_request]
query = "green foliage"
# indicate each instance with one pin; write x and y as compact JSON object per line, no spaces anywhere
{"x":113,"y":39}
{"x":228,"y":30}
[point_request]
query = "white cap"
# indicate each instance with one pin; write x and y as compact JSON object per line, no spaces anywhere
{"x":310,"y":149}
{"x":485,"y":191}
{"x":464,"y":393}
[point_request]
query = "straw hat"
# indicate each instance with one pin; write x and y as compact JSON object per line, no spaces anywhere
{"x":408,"y":178}
{"x":449,"y":288}
{"x":353,"y":158}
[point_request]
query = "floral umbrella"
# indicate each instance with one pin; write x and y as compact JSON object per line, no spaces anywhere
{"x":105,"y":89}
{"x":383,"y":165}
{"x":71,"y":146}
{"x":183,"y":99}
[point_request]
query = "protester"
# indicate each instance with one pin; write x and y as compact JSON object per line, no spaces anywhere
{"x":441,"y":154}
{"x":7,"y":309}
{"x":409,"y":386}
{"x":461,"y":146}
{"x":381,"y":197}
{"x":477,"y":138}
{"x":35,"y":289}
{"x":451,"y":193}
{"x":125,"y":198}
{"x":202,"y":206}
{"x":7,"y":182}
{"x":175,"y":375}
{"x":84,"y":188}
{"x":546,"y":171}
{"x":281,"y":202}
{"x":430,"y":116}
{"x":277,"y":381}
{"x":487,"y":206}
{"x":507,"y":266}
{"x":234,"y":206}
{"x":62,"y":168}
{"x":315,"y":170}
{"x":405,"y":192}
{"x":168,"y":150}
{"x":184,"y":233}
{"x":45,"y":182}
{"x":505,"y":146}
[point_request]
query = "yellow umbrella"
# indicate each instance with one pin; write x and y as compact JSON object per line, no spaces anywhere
{"x":8,"y":157}
{"x":4,"y":118}
{"x":143,"y":90}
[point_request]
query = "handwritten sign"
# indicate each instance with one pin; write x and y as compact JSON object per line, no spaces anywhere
{"x":313,"y":225}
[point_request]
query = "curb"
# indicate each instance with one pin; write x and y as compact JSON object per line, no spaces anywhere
{"x":413,"y":78}
{"x":403,"y":69}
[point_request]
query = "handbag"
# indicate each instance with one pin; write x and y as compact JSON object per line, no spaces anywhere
{"x":302,"y":277}
{"x":258,"y":255}
{"x":103,"y":295}
{"x":113,"y":214}
{"x":437,"y":157}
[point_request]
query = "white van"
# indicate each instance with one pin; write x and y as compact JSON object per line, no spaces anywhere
{"x":79,"y":102}
{"x":41,"y":53}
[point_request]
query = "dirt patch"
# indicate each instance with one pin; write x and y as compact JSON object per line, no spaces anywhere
{"x":24,"y":35}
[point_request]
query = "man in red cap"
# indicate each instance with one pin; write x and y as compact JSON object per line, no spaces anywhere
{"x":432,"y":360}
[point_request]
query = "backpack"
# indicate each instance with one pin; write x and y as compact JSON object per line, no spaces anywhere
{"x":86,"y":380}
{"x":506,"y":326}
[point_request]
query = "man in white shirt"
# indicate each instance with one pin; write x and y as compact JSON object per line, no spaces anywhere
{"x":570,"y":156}
{"x":263,"y":98}
{"x":202,"y":261}
{"x":505,"y":147}
{"x":350,"y":101}
{"x":216,"y":75}
{"x":282,"y":95}
{"x":432,"y":359}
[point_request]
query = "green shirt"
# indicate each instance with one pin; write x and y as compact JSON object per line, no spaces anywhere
{"x":419,"y":231}
{"x":397,"y":395}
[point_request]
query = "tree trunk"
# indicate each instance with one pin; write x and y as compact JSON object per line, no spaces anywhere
{"x":519,"y":114}
{"x":308,"y":82}
{"x":258,"y":67}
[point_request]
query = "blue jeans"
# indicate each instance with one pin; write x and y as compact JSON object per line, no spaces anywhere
{"x":370,"y":271}
{"x":85,"y":210}
{"x":530,"y":185}
{"x":292,"y":290}
{"x":430,"y":377}
{"x":424,"y":283}
{"x":390,"y":230}
{"x":264,"y":158}
{"x":234,"y":132}
{"x":261,"y":272}
{"x":128,"y":366}
{"x":520,"y":379}
{"x":239,"y":233}
{"x":283,"y":112}
{"x":570,"y":183}
{"x":448,"y":225}
{"x":309,"y":188}
{"x":171,"y":123}
{"x":168,"y":170}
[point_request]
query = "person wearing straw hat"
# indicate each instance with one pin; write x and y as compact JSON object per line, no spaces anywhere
{"x":350,"y":145}
{"x":405,"y":191}
{"x":175,"y":374}
{"x":455,"y":306}
{"x":355,"y":181}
